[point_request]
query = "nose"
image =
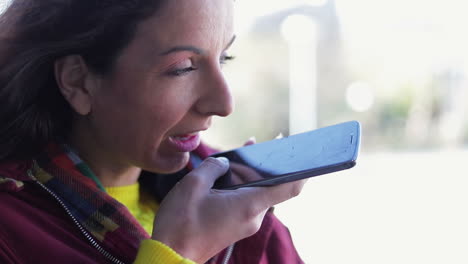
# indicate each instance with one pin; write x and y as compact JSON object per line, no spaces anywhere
{"x":216,"y":97}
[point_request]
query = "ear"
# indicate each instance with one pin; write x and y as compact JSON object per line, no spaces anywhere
{"x":75,"y":82}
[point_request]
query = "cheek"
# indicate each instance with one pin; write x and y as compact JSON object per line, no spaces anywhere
{"x":118,"y":112}
{"x":135,"y":115}
{"x":166,"y":120}
{"x":139,"y":117}
{"x":167,"y":113}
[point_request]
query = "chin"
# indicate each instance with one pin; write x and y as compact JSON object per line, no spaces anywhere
{"x":167,"y":165}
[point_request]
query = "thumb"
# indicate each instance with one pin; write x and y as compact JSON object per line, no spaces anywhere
{"x":206,"y":174}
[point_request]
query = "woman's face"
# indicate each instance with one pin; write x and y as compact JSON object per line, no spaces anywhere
{"x":165,"y":87}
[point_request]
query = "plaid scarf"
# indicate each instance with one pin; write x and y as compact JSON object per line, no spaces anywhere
{"x":109,"y":222}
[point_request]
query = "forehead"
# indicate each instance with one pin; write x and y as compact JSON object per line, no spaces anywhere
{"x":189,"y":21}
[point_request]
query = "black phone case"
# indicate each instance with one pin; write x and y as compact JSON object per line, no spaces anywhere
{"x":321,"y":151}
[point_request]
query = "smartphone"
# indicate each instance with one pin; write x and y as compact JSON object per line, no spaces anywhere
{"x":317,"y":152}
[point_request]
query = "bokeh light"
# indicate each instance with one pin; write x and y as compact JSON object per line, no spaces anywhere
{"x":360,"y":96}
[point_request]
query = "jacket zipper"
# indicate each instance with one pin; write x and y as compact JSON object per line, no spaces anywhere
{"x":228,"y":254}
{"x":93,"y":242}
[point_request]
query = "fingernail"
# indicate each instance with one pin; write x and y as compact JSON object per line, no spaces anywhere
{"x":223,"y":160}
{"x":252,"y":139}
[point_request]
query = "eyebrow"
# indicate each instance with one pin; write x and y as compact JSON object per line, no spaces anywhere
{"x":192,"y":49}
{"x":183,"y":48}
{"x":230,"y":42}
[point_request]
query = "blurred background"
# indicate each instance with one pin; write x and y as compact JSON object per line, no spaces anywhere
{"x":399,"y":67}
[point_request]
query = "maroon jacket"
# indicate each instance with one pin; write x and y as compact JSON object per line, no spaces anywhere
{"x":34,"y":228}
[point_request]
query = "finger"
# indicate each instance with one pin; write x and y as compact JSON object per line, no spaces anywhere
{"x":244,"y":173}
{"x":206,"y":174}
{"x":279,"y":136}
{"x":266,"y":197}
{"x":251,"y":141}
{"x":283,"y":192}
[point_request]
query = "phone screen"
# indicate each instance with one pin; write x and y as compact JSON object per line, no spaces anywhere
{"x":308,"y":154}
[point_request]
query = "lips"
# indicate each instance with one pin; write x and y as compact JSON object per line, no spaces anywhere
{"x":185,"y":142}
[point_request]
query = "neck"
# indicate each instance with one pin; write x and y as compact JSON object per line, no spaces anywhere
{"x":114,"y":177}
{"x":106,"y":167}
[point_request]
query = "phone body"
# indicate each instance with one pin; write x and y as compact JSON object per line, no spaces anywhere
{"x":317,"y":152}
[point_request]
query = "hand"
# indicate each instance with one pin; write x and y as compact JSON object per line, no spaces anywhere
{"x":198,"y":221}
{"x":241,"y":173}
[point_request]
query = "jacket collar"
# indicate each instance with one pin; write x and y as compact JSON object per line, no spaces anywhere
{"x":109,"y":222}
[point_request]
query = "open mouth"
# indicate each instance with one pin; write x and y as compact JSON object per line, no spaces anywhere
{"x":185,"y":142}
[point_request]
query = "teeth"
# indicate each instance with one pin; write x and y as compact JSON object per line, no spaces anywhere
{"x":184,"y":137}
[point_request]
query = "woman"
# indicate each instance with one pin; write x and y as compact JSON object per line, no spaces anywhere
{"x":104,"y":99}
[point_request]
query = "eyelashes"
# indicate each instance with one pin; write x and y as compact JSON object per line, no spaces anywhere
{"x":224,"y":59}
{"x":182,"y":71}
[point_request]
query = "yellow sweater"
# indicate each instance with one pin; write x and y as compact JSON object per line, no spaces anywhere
{"x":144,"y":210}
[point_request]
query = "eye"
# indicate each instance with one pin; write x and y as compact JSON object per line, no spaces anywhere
{"x":181,"y":71}
{"x":225,"y":58}
{"x":181,"y":68}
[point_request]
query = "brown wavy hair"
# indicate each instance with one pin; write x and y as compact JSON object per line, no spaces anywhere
{"x":33,"y":35}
